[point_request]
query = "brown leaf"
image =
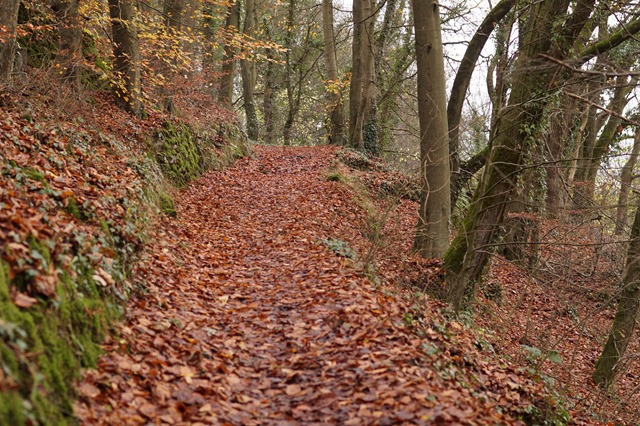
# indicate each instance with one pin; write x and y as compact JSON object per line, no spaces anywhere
{"x":293,"y":390}
{"x":21,"y":300}
{"x":148,"y":410}
{"x":88,"y":390}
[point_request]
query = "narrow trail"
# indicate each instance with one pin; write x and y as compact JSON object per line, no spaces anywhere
{"x":248,"y":319}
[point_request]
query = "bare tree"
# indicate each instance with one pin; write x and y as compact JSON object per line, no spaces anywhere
{"x":248,"y":71}
{"x":626,"y":318}
{"x":463,"y":79}
{"x":126,"y":52}
{"x":362,"y":86}
{"x":225,"y":92}
{"x":432,"y":235}
{"x":336,"y":110}
{"x":626,"y":179}
{"x":8,"y":24}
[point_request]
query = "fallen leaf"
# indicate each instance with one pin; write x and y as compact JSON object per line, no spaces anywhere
{"x":21,"y":300}
{"x":293,"y":390}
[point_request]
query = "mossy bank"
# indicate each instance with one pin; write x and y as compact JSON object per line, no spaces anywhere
{"x":76,"y":208}
{"x":184,"y":152}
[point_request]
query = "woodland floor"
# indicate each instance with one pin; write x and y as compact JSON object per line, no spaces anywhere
{"x":248,"y":317}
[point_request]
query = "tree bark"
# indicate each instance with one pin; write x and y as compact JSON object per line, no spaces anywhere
{"x":497,"y":94}
{"x":366,"y":122}
{"x":69,"y":54}
{"x":126,"y":52}
{"x":563,"y":130}
{"x":225,"y":93}
{"x":248,"y":71}
{"x":623,"y":34}
{"x":268,"y":101}
{"x":606,"y":137}
{"x":173,"y":11}
{"x":8,"y":24}
{"x":404,"y":56}
{"x":362,"y":84}
{"x":626,"y":179}
{"x":432,"y":234}
{"x":269,"y":93}
{"x":288,"y":78}
{"x":355,"y":87}
{"x":625,"y":320}
{"x":463,"y":78}
{"x":517,"y":128}
{"x":335,"y":132}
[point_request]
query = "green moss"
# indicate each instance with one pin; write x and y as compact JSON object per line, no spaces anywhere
{"x":8,"y":360}
{"x":236,"y":151}
{"x":11,"y":410}
{"x":335,"y":177}
{"x":65,"y":333}
{"x":76,"y":210}
{"x":184,"y":152}
{"x":35,"y":174}
{"x":166,"y":204}
{"x":178,"y":154}
{"x":38,"y":246}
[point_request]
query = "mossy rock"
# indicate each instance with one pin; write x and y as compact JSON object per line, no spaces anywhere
{"x":184,"y":153}
{"x":178,"y":153}
{"x":165,"y":203}
{"x":336,"y":177}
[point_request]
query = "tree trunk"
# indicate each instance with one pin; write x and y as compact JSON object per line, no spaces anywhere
{"x":335,"y":132}
{"x":461,"y":173}
{"x":517,"y":128}
{"x":562,"y":131}
{"x":580,"y":192}
{"x":463,"y":78}
{"x":8,"y":23}
{"x":249,"y":75}
{"x":355,"y":88}
{"x":225,"y":93}
{"x":626,"y":178}
{"x":607,"y":136}
{"x":369,"y":108}
{"x":386,"y":100}
{"x":173,"y":11}
{"x":126,"y":52}
{"x":625,"y":320}
{"x":362,"y":85}
{"x":467,"y":170}
{"x":288,"y":78}
{"x":69,"y":54}
{"x":268,"y":101}
{"x":432,"y":234}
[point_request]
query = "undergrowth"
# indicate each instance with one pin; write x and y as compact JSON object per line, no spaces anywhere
{"x":428,"y":317}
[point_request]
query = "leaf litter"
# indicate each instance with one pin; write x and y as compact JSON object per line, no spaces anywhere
{"x":247,"y":318}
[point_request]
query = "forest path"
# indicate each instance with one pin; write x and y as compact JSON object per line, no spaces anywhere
{"x":249,"y":319}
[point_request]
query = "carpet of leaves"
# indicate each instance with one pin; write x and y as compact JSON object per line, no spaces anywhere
{"x":248,"y":318}
{"x":52,"y":174}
